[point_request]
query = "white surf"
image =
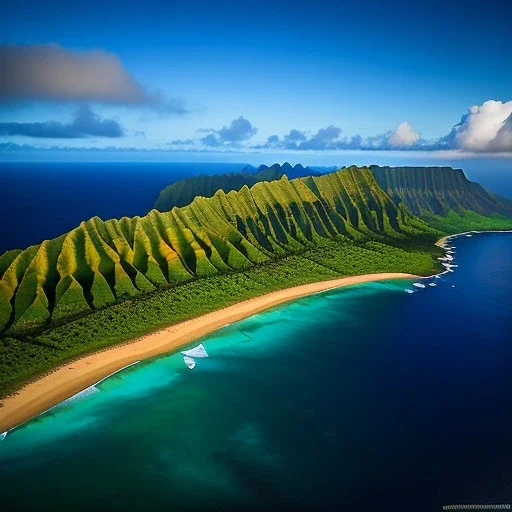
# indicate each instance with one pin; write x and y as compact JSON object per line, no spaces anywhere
{"x":198,"y":352}
{"x":189,"y":362}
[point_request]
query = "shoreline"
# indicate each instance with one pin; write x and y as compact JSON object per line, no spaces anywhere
{"x":442,"y":242}
{"x":67,"y":380}
{"x":444,"y":239}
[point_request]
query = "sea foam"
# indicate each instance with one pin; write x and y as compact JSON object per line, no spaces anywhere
{"x":196,"y":352}
{"x":117,"y":371}
{"x":189,"y":362}
{"x":91,"y":390}
{"x":190,"y":355}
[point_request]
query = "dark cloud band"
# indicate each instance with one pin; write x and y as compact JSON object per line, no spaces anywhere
{"x":85,"y":123}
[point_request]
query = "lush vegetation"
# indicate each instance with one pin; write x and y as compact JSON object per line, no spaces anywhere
{"x":106,"y":282}
{"x":438,"y":190}
{"x":22,"y":356}
{"x":183,"y":192}
{"x":467,"y":220}
{"x":101,"y":263}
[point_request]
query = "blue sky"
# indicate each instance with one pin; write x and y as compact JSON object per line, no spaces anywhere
{"x":395,"y":75}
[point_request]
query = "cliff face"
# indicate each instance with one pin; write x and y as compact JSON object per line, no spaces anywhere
{"x":437,"y":190}
{"x":184,"y":191}
{"x":101,"y":262}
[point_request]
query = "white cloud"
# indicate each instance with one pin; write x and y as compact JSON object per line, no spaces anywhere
{"x":403,"y":136}
{"x":503,"y":140}
{"x":331,"y":139}
{"x":485,"y":127}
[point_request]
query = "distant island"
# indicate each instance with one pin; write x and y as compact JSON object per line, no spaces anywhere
{"x":107,"y":282}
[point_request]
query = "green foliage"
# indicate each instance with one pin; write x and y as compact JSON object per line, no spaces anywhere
{"x":366,"y":257}
{"x":70,"y":299}
{"x":467,"y":220}
{"x":438,"y":190}
{"x":23,"y":360}
{"x":183,"y":192}
{"x":35,"y":352}
{"x":7,"y":258}
{"x":100,"y":263}
{"x":107,"y":282}
{"x":10,"y":282}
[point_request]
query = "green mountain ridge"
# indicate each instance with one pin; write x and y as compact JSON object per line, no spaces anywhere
{"x":101,"y":262}
{"x":183,"y":192}
{"x":428,"y":191}
{"x":106,"y":282}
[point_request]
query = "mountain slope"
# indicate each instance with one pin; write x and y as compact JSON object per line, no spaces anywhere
{"x":107,"y":282}
{"x":103,"y":262}
{"x":292,"y":171}
{"x":427,"y":191}
{"x":184,"y":191}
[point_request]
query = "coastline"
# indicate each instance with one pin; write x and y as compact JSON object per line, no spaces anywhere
{"x":444,"y":239}
{"x":69,"y":379}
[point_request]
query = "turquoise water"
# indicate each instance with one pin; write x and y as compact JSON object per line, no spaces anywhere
{"x":364,"y":397}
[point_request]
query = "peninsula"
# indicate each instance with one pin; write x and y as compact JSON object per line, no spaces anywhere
{"x":169,"y":277}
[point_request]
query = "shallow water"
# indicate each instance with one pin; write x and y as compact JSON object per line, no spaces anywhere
{"x":364,"y":397}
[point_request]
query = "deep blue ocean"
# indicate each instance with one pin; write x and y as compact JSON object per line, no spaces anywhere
{"x":42,"y":200}
{"x":365,"y":398}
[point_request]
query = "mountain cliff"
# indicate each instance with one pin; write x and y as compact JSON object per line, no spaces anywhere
{"x":107,"y":282}
{"x":184,"y":191}
{"x":427,"y":191}
{"x":349,"y":221}
{"x":102,"y":262}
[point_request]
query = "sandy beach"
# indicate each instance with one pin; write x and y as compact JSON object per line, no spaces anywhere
{"x":442,"y":241}
{"x":69,"y":379}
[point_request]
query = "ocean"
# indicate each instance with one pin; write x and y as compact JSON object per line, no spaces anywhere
{"x":364,"y":398}
{"x":42,"y":200}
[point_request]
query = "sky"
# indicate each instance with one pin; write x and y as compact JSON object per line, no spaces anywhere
{"x":302,"y":77}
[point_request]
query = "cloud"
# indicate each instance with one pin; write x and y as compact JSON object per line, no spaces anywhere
{"x":502,"y":142}
{"x":331,"y":139}
{"x":85,"y":123}
{"x":403,"y":136}
{"x":53,"y":73}
{"x":239,"y":131}
{"x":211,"y":140}
{"x":484,"y":128}
{"x":294,"y":137}
{"x":325,"y":138}
{"x":273,"y":139}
